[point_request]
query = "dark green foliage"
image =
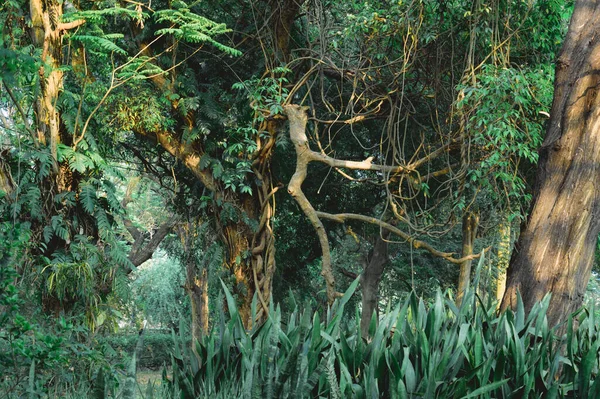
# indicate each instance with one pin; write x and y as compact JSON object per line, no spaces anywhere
{"x":38,"y":359}
{"x":440,"y":350}
{"x":154,"y":352}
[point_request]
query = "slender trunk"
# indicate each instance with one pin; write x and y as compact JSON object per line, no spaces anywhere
{"x":197,"y":290}
{"x":469,"y":231}
{"x":555,"y":251}
{"x":370,"y":281}
{"x":46,"y":34}
{"x":503,"y":259}
{"x":196,"y":279}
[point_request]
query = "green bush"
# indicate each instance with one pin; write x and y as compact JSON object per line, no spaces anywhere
{"x":154,"y":354}
{"x":39,"y":357}
{"x":416,"y":351}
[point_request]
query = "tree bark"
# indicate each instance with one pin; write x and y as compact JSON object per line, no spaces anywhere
{"x":370,"y":281}
{"x":284,"y":13}
{"x":503,"y":259}
{"x":144,"y":247}
{"x":469,"y":231}
{"x":555,"y":251}
{"x":197,"y":290}
{"x":196,"y":279}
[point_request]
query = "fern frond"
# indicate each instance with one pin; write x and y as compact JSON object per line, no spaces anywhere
{"x":98,"y":43}
{"x":88,"y":198}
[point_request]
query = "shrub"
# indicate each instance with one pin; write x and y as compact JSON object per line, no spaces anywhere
{"x":416,"y":351}
{"x":38,"y":358}
{"x":154,"y":354}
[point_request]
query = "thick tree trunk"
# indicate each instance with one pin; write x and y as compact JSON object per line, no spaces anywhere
{"x":469,"y":231}
{"x":237,"y":244}
{"x":555,"y":251}
{"x":370,"y":281}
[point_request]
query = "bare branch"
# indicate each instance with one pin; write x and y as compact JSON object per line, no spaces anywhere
{"x":342,"y":217}
{"x":71,"y":25}
{"x":298,"y":118}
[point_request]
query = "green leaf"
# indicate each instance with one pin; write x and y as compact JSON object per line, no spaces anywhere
{"x":486,"y":388}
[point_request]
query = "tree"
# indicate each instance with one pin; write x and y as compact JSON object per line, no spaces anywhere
{"x":555,"y":251}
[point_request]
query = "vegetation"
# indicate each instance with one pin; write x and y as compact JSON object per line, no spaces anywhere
{"x":145,"y":148}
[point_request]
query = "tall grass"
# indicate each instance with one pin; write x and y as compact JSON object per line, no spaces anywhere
{"x":415,"y":351}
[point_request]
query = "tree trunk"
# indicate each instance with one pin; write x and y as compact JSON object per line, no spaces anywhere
{"x":503,"y":259}
{"x":555,"y":251}
{"x":370,"y":281}
{"x":469,"y":231}
{"x":197,"y":290}
{"x":196,"y":279}
{"x":284,"y":13}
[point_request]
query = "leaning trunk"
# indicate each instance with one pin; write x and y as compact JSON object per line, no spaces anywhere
{"x":370,"y":281}
{"x":555,"y":251}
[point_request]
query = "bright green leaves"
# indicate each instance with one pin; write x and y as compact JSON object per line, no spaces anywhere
{"x":190,"y":27}
{"x":88,"y":198}
{"x":100,"y":44}
{"x":505,"y":114}
{"x":266,"y":95}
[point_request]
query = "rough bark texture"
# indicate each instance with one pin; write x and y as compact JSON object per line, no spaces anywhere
{"x":469,"y":231}
{"x":555,"y":251}
{"x":46,"y":33}
{"x":370,"y":281}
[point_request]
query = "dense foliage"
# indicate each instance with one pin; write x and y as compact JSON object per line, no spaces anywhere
{"x":145,"y":153}
{"x":417,"y":350}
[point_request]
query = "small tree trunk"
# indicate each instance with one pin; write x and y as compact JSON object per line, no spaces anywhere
{"x":370,"y":281}
{"x":46,"y":34}
{"x":197,"y":289}
{"x":555,"y":251}
{"x":503,"y":259}
{"x":469,"y":231}
{"x":196,"y":280}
